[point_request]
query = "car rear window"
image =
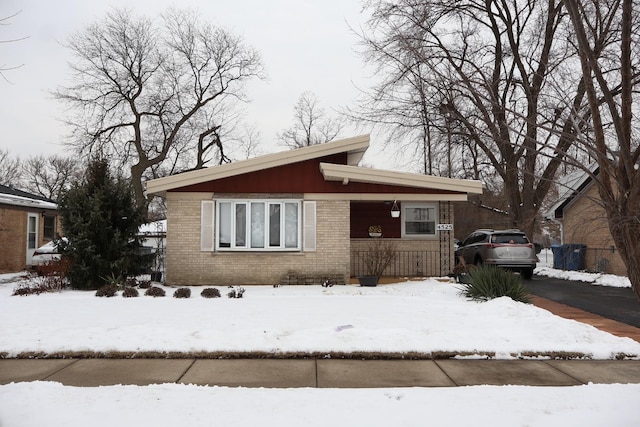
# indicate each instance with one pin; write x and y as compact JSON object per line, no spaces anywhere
{"x":518,"y":239}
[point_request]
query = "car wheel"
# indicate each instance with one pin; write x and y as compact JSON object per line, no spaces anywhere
{"x":478,"y":261}
{"x":527,"y":273}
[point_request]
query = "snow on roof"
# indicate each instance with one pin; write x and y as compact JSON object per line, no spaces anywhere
{"x":10,"y":199}
{"x":569,"y":185}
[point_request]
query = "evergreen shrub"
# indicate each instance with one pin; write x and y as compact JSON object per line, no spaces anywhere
{"x":182,"y":293}
{"x":488,"y":282}
{"x":155,"y":291}
{"x":109,"y":290}
{"x":130,"y":292}
{"x":144,"y":284}
{"x":210,"y":293}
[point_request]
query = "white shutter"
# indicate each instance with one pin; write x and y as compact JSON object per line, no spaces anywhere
{"x":206,"y":225}
{"x":309,"y":221}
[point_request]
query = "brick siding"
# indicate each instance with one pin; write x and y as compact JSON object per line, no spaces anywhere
{"x":13,"y":237}
{"x":188,"y":265}
{"x":585,"y":222}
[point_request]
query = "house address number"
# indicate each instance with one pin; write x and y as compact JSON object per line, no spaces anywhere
{"x":444,"y":227}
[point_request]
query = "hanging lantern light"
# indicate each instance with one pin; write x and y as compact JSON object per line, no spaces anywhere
{"x":395,"y":210}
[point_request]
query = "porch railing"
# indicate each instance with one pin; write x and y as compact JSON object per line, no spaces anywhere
{"x":406,"y":264}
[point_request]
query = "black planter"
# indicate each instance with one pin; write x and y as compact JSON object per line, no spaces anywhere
{"x":368,"y":280}
{"x":156,"y":276}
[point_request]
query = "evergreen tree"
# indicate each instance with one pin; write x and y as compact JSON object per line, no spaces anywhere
{"x":100,"y":221}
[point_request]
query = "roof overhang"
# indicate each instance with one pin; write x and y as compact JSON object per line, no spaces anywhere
{"x":11,"y":200}
{"x":346,"y":174}
{"x":355,"y":148}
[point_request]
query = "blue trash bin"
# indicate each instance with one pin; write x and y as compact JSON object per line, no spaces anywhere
{"x":558,"y":256}
{"x":574,"y":256}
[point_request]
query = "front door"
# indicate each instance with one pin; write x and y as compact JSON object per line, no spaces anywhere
{"x":32,"y":236}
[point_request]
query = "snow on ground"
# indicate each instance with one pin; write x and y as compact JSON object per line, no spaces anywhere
{"x":423,"y":316}
{"x":426,"y":316}
{"x":43,"y":404}
{"x":545,"y":268}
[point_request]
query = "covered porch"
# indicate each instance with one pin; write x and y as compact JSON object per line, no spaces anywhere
{"x":420,"y":232}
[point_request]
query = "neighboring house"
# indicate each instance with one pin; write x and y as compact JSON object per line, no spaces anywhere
{"x":583,"y":221}
{"x":27,"y":221}
{"x":303,"y":215}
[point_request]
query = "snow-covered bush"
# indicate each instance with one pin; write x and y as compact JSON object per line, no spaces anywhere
{"x":144,"y":284}
{"x":155,"y":291}
{"x":130,"y":292}
{"x":210,"y":293}
{"x":107,"y":290}
{"x":182,"y":293}
{"x":236,"y":292}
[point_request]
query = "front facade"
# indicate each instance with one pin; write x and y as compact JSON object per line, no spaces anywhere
{"x":27,"y":222}
{"x":303,"y":215}
{"x":584,"y":221}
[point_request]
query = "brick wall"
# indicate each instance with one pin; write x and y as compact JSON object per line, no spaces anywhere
{"x":13,"y":240}
{"x":187,"y":265}
{"x":585,"y":222}
{"x":13,"y":237}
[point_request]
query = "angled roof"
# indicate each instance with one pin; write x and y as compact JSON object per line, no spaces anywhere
{"x":354,"y":147}
{"x":569,"y":187}
{"x":346,"y":174}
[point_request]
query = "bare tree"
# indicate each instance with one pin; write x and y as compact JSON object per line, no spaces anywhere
{"x":10,"y":171}
{"x":612,"y":78}
{"x":5,"y":67}
{"x":144,"y":92}
{"x":50,"y":176}
{"x":311,"y":125}
{"x":491,"y":73}
{"x":248,"y":145}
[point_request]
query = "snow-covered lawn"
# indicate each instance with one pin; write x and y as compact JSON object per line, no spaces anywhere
{"x":426,"y":317}
{"x":420,"y":316}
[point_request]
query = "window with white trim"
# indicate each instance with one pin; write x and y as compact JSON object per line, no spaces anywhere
{"x":258,"y":225}
{"x":419,"y":220}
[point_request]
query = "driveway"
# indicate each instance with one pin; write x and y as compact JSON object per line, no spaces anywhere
{"x":619,"y":304}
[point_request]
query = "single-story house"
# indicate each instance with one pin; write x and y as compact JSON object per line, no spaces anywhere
{"x":303,"y":215}
{"x":27,"y":221}
{"x":583,"y":221}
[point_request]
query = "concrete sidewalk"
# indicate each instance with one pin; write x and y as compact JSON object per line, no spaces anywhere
{"x":319,"y":373}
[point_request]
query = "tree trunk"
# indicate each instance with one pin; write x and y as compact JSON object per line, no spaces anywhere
{"x":625,"y":234}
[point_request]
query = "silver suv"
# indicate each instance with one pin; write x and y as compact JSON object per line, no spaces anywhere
{"x":503,"y":248}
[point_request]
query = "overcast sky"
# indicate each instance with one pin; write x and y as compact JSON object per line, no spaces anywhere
{"x":305,"y":46}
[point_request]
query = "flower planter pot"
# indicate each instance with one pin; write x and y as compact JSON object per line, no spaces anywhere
{"x":156,"y":276}
{"x":375,"y":234}
{"x":368,"y":280}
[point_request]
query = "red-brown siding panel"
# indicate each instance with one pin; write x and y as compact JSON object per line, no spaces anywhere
{"x":302,"y":177}
{"x":365,"y":214}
